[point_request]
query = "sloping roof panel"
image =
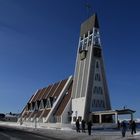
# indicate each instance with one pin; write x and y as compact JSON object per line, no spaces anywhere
{"x":36,"y":95}
{"x":47,"y":91}
{"x":59,"y":89}
{"x":64,"y":102}
{"x":46,"y":112}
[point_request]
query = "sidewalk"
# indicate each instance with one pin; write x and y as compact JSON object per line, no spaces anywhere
{"x":73,"y":135}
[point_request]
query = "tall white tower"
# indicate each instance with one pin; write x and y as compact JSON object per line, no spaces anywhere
{"x":90,"y":91}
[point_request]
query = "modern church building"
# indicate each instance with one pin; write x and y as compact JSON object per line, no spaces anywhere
{"x":78,"y":96}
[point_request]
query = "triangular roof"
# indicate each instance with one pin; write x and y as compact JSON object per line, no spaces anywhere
{"x":89,"y":24}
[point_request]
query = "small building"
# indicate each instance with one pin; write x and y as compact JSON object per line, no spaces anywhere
{"x":109,"y":118}
{"x":9,"y":117}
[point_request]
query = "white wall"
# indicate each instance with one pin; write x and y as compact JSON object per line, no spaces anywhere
{"x":78,"y":105}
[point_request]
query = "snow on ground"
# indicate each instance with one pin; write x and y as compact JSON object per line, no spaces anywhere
{"x":138,"y":133}
{"x":69,"y":134}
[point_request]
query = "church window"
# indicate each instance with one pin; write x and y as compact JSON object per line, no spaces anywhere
{"x":97,"y":64}
{"x":33,"y":106}
{"x":81,"y":47}
{"x":97,"y":52}
{"x":48,"y":105}
{"x":41,"y":105}
{"x":97,"y":103}
{"x":95,"y":32}
{"x":95,"y":90}
{"x":92,"y":103}
{"x":89,"y":40}
{"x":36,"y":106}
{"x":86,"y":35}
{"x":96,"y":41}
{"x":81,"y":44}
{"x":85,"y":44}
{"x":103,"y":104}
{"x":97,"y":77}
{"x":44,"y":102}
{"x":91,"y":31}
{"x":100,"y":90}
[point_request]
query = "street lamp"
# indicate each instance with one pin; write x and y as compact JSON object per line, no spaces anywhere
{"x":35,"y":119}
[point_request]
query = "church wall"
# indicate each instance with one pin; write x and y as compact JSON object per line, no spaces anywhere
{"x":78,"y":105}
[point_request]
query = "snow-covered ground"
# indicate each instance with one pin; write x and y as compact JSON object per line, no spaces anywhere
{"x":69,"y":134}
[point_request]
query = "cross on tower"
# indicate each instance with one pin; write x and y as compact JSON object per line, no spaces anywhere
{"x":88,"y":8}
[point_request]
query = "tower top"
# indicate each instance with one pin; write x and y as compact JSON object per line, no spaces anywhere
{"x":89,"y":24}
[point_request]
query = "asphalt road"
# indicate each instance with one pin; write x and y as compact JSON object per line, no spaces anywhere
{"x":7,"y":133}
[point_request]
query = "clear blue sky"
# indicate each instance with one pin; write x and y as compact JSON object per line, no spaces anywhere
{"x":38,"y":44}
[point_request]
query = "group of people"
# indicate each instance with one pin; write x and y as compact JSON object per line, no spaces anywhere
{"x":83,"y":125}
{"x":132,"y":126}
{"x":123,"y":126}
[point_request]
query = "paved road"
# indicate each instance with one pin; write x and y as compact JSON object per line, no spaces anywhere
{"x":7,"y":133}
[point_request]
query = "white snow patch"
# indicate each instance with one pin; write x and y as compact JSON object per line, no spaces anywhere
{"x":138,"y":133}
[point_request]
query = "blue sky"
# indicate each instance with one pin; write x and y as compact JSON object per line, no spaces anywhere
{"x":39,"y":40}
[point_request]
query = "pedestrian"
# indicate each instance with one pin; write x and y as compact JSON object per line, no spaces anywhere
{"x":89,"y":124}
{"x":118,"y":124}
{"x":77,"y":126}
{"x":130,"y":122}
{"x":83,"y":125}
{"x":133,"y":127}
{"x":124,"y":127}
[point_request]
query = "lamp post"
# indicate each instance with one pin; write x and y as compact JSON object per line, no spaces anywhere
{"x":76,"y":114}
{"x":35,"y":119}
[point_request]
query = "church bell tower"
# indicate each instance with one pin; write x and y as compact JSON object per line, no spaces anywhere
{"x":90,"y":91}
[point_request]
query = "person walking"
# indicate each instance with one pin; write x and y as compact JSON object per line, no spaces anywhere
{"x":118,"y":124}
{"x":89,"y":124}
{"x":77,"y":126}
{"x":83,"y":125}
{"x":133,"y":127}
{"x":124,"y":127}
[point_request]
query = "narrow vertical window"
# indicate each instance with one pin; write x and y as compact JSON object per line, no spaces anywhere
{"x":97,"y":64}
{"x":89,"y":40}
{"x":97,"y":77}
{"x":81,"y":46}
{"x":101,"y":91}
{"x":95,"y":90}
{"x":85,"y":44}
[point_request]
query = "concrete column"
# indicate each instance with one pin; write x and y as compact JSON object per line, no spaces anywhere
{"x":132,"y":116}
{"x":100,"y":118}
{"x":116,"y":117}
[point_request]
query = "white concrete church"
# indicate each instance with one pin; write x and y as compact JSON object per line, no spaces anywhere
{"x":79,"y":96}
